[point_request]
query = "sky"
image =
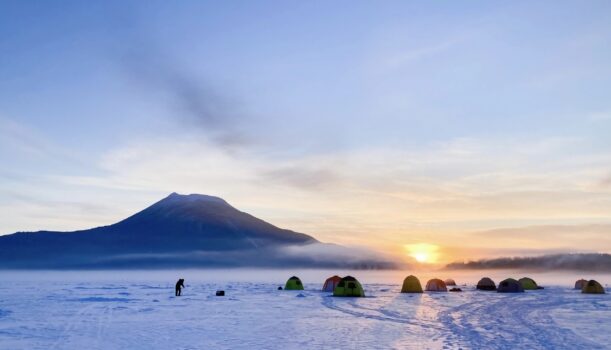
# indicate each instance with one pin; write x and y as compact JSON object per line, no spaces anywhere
{"x":459,"y":130}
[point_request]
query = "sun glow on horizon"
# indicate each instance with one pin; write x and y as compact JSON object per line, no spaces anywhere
{"x":423,"y":252}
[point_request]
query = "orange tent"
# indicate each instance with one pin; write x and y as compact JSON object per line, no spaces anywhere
{"x":580,"y":284}
{"x":331,"y":283}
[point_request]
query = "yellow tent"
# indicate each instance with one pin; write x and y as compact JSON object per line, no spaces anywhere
{"x":528,"y":283}
{"x":411,"y":284}
{"x":593,"y":287}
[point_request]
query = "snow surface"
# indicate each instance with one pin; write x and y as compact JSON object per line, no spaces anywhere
{"x":138,"y":310}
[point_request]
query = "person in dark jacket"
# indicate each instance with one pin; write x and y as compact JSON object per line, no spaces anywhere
{"x":179,"y":285}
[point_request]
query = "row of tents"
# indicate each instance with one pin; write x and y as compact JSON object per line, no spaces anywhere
{"x":510,"y":285}
{"x":411,"y":284}
{"x":350,"y":287}
{"x":589,"y":287}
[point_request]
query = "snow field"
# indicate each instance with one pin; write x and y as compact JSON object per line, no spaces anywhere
{"x":111,"y":315}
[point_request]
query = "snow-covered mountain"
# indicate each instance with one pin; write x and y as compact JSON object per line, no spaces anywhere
{"x":180,"y":230}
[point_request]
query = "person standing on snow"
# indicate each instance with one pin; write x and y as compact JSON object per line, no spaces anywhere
{"x":179,"y":285}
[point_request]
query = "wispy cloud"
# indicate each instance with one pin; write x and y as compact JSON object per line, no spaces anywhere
{"x":599,"y":116}
{"x":310,"y":179}
{"x":566,"y":238}
{"x":409,"y":55}
{"x":191,"y":99}
{"x":606,"y":181}
{"x":19,"y":138}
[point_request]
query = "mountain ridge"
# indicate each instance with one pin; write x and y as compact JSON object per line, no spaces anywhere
{"x":179,"y":230}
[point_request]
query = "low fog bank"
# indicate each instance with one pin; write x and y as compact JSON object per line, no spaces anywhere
{"x":575,"y":262}
{"x":315,"y":255}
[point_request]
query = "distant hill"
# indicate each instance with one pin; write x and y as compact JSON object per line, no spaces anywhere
{"x":586,"y":262}
{"x":179,"y":231}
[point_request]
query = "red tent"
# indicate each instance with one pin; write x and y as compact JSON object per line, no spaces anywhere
{"x":330,"y":283}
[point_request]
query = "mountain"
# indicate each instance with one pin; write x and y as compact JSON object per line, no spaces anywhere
{"x":179,"y":231}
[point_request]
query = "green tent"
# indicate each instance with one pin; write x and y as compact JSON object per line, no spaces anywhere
{"x":348,"y":287}
{"x":411,"y":284}
{"x":593,"y":287}
{"x":528,"y":283}
{"x":294,"y":283}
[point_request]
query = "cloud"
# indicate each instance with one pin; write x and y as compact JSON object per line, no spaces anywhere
{"x":413,"y":54}
{"x":193,"y":100}
{"x":19,"y":138}
{"x":301,"y":177}
{"x":582,"y":262}
{"x":439,"y":193}
{"x":606,"y":181}
{"x":599,"y":116}
{"x":559,"y":236}
{"x":443,"y":184}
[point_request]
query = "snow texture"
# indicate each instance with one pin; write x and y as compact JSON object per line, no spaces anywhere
{"x":55,"y":312}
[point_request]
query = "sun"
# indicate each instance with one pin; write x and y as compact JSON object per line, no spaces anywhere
{"x":421,"y":256}
{"x":423,"y":252}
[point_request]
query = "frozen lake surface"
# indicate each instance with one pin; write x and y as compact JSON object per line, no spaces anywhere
{"x":138,"y":310}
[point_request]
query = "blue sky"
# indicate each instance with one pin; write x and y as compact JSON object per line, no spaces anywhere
{"x":405,"y":121}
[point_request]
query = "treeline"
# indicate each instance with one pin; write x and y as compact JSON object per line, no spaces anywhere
{"x":589,"y":262}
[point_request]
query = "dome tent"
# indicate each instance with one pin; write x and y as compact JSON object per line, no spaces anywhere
{"x":528,"y":283}
{"x":348,"y":287}
{"x":293,"y":283}
{"x":411,"y":284}
{"x":579,"y":284}
{"x":510,"y":286}
{"x":436,"y":285}
{"x":486,"y":284}
{"x":449,"y":282}
{"x":593,"y":287}
{"x":331,"y":283}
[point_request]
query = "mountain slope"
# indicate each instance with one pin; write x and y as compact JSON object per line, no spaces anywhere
{"x":180,"y":230}
{"x":205,"y":222}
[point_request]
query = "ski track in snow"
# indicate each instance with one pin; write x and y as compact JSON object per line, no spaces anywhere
{"x":54,"y":315}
